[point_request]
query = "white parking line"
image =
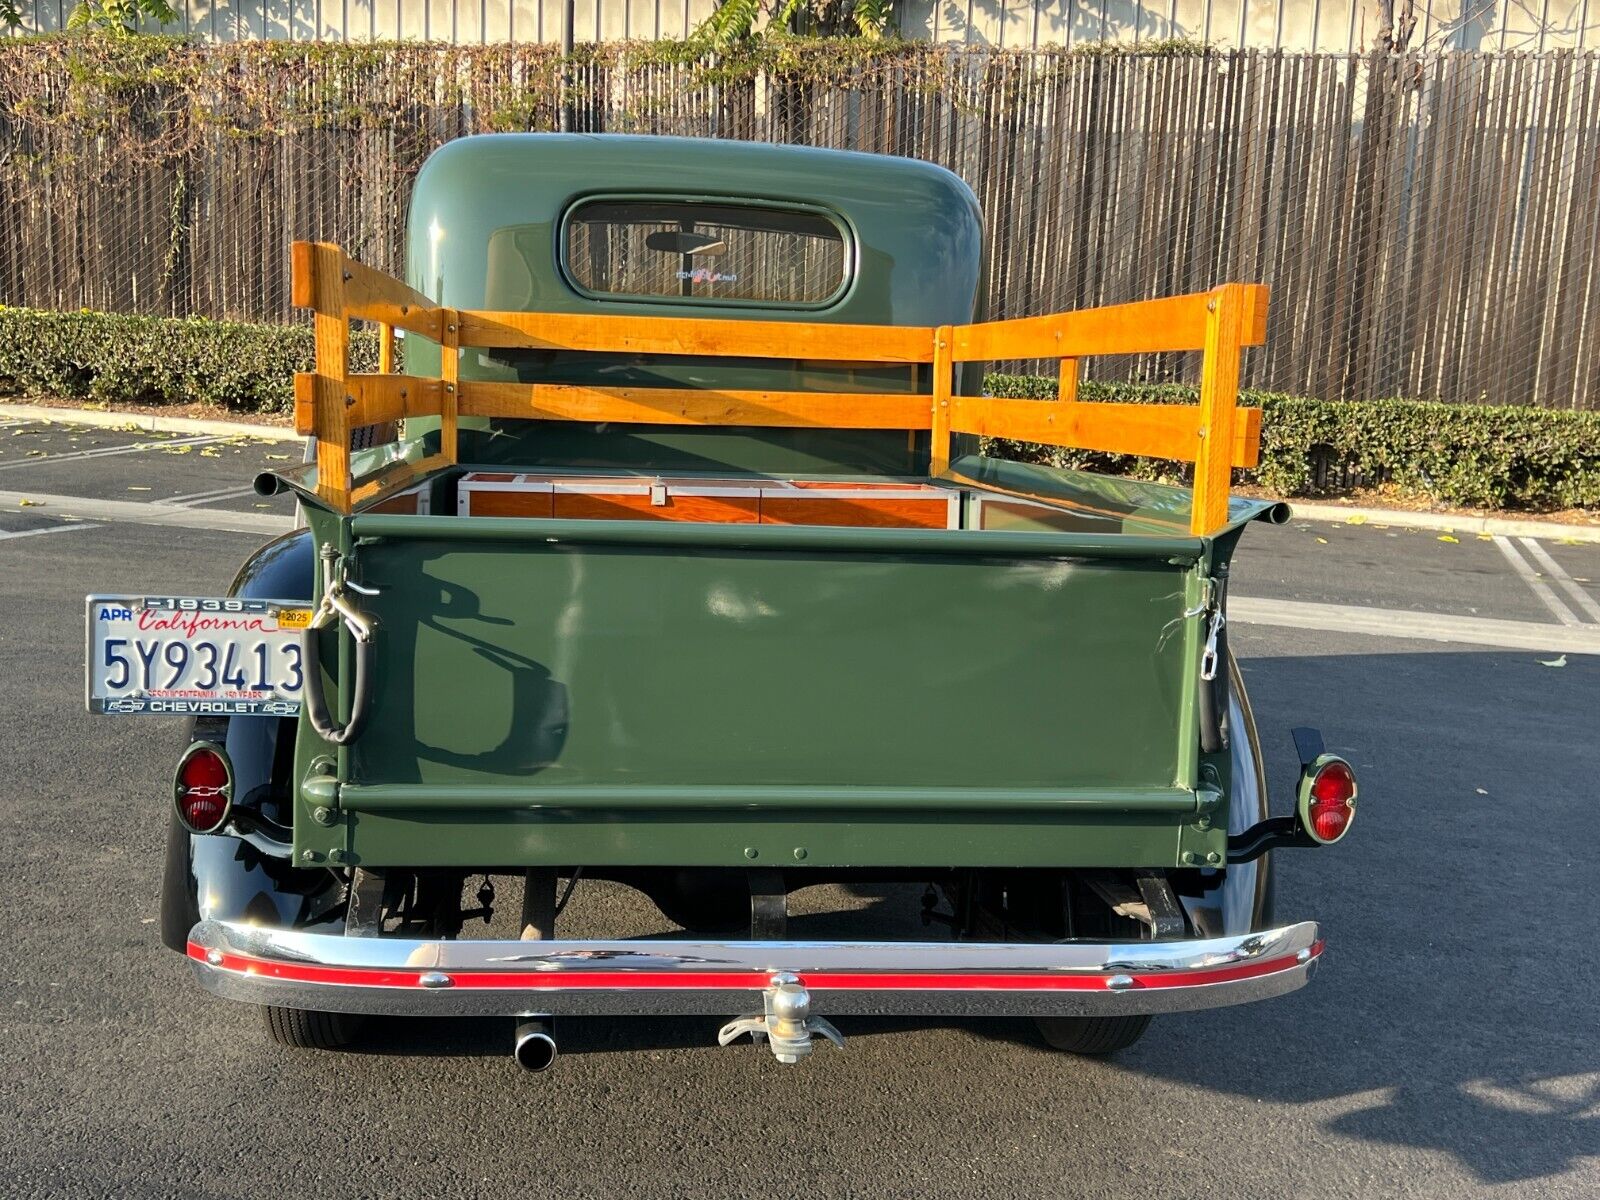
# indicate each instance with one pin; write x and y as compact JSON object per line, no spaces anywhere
{"x":1571,"y":637}
{"x":106,"y":452}
{"x":68,"y":527}
{"x":136,"y":513}
{"x":1535,"y":584}
{"x":196,"y":499}
{"x":1568,"y":584}
{"x":1428,"y":627}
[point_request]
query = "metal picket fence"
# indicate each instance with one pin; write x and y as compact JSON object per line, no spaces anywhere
{"x":1425,"y":221}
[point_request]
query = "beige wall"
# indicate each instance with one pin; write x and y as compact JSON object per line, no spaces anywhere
{"x":1320,"y":25}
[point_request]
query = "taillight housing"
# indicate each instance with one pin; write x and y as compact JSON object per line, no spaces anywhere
{"x":1327,"y":805}
{"x":203,"y":787}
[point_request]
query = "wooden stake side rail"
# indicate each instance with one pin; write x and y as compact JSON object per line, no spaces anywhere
{"x":1215,"y":435}
{"x":695,"y":406}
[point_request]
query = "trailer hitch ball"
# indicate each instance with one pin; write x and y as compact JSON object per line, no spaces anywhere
{"x":787,"y":1024}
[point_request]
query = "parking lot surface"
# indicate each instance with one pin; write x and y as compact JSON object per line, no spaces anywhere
{"x":1446,"y":1048}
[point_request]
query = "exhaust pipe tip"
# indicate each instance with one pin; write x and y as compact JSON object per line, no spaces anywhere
{"x":535,"y":1046}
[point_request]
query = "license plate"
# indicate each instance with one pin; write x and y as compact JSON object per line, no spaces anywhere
{"x":183,"y":656}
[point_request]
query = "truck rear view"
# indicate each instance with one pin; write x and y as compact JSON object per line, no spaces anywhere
{"x":671,"y":558}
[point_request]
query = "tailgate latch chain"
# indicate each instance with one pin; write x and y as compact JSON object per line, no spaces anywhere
{"x":1210,"y":606}
{"x":787,"y":1023}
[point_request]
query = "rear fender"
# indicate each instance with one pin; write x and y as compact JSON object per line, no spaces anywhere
{"x":223,"y":878}
{"x":1238,"y":899}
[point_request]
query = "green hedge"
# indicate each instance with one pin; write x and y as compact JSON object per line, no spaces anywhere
{"x":1471,"y":455}
{"x":115,"y":359}
{"x":1459,"y":454}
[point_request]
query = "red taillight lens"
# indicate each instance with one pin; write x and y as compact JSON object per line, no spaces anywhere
{"x":1331,"y":801}
{"x":204,"y":789}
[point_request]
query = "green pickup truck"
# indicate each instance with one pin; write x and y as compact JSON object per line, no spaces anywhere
{"x":672,"y":558}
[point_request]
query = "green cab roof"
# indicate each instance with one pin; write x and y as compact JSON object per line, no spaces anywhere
{"x":914,"y":226}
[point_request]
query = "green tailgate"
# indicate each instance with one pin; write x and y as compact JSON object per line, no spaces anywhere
{"x":624,"y":693}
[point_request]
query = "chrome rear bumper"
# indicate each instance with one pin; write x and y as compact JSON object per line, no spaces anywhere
{"x":511,"y":978}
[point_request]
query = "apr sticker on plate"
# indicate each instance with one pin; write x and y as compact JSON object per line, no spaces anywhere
{"x":182,"y":656}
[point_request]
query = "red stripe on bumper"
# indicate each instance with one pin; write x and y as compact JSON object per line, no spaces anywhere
{"x":745,"y":980}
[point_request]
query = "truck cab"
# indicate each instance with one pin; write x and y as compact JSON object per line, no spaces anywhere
{"x":673,"y":557}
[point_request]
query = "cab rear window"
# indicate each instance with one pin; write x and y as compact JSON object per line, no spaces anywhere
{"x":705,"y":253}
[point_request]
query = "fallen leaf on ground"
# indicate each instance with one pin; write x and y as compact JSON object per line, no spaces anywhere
{"x":1358,"y":519}
{"x":26,"y":503}
{"x":1445,"y":537}
{"x":1559,"y":660}
{"x":1322,"y":541}
{"x":1569,"y":541}
{"x":1486,"y":537}
{"x":278,"y":457}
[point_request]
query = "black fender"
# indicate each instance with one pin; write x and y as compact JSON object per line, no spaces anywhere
{"x":1239,"y":899}
{"x":225,"y":878}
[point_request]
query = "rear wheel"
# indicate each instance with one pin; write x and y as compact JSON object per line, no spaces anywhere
{"x":305,"y":1029}
{"x":1092,"y":918}
{"x":1092,"y":1035}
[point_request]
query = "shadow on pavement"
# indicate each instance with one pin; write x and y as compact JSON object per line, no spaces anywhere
{"x":1456,"y":1010}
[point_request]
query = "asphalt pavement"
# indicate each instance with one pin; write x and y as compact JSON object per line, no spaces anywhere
{"x":1446,"y":1048}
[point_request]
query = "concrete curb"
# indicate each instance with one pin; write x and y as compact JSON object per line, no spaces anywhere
{"x":147,"y":422}
{"x":1404,"y":518}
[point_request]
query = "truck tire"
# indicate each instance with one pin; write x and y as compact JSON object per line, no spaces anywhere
{"x":1092,"y":1035}
{"x":1097,"y":1035}
{"x":305,"y":1029}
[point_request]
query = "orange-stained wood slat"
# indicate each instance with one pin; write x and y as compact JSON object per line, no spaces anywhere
{"x":367,"y":294}
{"x":1143,"y":327}
{"x":689,"y":335}
{"x":385,"y":349}
{"x":942,"y":401}
{"x":450,"y":384}
{"x":305,"y":403}
{"x":1067,"y":381}
{"x":693,"y":406}
{"x":1151,"y":430}
{"x":380,"y":398}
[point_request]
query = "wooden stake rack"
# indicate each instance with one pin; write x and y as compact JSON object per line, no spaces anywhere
{"x":1216,"y":435}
